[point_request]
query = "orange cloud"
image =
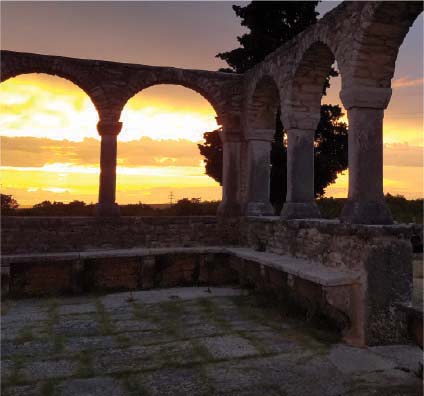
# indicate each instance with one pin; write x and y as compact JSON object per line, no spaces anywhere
{"x":36,"y":152}
{"x":407,"y":82}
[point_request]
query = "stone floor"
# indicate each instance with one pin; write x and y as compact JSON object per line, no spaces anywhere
{"x":186,"y":341}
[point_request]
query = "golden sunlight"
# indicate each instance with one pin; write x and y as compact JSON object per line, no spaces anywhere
{"x":50,"y":147}
{"x":45,"y":106}
{"x":167,"y":112}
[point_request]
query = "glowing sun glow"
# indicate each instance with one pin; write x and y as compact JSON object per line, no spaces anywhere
{"x":50,"y":145}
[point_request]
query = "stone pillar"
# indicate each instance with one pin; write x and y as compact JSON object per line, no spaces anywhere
{"x":231,"y":147}
{"x":259,"y":169}
{"x":366,"y":204}
{"x":300,"y":202}
{"x":108,"y":153}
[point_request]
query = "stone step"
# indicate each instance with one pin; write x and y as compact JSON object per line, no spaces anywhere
{"x":305,"y":269}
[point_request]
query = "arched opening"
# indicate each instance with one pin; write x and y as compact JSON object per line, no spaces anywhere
{"x":368,"y":95}
{"x":331,"y":150}
{"x":50,"y":146}
{"x":264,"y":187}
{"x":317,"y":137}
{"x":264,"y":105}
{"x":403,"y":141}
{"x":159,"y":162}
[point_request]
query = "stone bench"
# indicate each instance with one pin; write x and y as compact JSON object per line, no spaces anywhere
{"x":310,"y":285}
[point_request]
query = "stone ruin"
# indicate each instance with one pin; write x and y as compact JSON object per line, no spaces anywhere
{"x":357,"y":271}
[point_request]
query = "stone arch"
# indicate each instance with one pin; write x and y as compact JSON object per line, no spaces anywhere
{"x":261,"y":109}
{"x":302,"y":102}
{"x":20,"y":66}
{"x":384,"y":26}
{"x":365,"y":94}
{"x":262,"y":105}
{"x":208,"y":91}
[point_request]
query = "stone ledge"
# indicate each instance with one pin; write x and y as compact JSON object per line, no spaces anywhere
{"x":308,"y":270}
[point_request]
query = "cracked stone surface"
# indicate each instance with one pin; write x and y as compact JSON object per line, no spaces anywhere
{"x":187,"y":341}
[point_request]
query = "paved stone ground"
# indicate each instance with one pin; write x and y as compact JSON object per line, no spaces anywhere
{"x":186,"y":341}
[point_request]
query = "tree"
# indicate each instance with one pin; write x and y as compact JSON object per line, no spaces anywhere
{"x":270,"y":25}
{"x":211,"y":149}
{"x":8,"y":204}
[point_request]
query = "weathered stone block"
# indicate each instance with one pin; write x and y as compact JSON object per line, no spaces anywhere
{"x":112,"y":273}
{"x":41,"y":278}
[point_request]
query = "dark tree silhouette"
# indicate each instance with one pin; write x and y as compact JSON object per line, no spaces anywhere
{"x":211,"y":149}
{"x":8,"y":204}
{"x":270,"y":25}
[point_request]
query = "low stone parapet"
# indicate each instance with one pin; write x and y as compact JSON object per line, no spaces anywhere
{"x":313,"y":287}
{"x":356,"y":275}
{"x":22,"y":235}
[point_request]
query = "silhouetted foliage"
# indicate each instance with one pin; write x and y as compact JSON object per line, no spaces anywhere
{"x":403,"y":210}
{"x":211,"y":149}
{"x":8,"y":204}
{"x":183,"y":207}
{"x":270,"y":25}
{"x":193,"y":207}
{"x":139,"y":209}
{"x":48,"y":208}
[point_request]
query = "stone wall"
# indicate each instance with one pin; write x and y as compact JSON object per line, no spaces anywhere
{"x":382,"y":255}
{"x":328,"y":241}
{"x":379,"y":256}
{"x":69,"y":234}
{"x":50,"y":275}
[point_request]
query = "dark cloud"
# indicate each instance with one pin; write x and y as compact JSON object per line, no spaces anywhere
{"x":35,"y":152}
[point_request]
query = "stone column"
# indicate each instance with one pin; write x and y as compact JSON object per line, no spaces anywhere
{"x":259,"y":169}
{"x":108,"y":153}
{"x":231,"y":146}
{"x":366,"y":204}
{"x":300,"y":203}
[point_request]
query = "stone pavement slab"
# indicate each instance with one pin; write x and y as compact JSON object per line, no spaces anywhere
{"x":47,"y":369}
{"x":228,"y":347}
{"x":175,"y":382}
{"x":407,"y":357}
{"x":97,"y":386}
{"x":351,"y":360}
{"x":187,"y":341}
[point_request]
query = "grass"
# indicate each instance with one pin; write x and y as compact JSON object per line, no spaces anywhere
{"x":103,"y":320}
{"x":85,"y":367}
{"x":171,"y":311}
{"x":266,"y":309}
{"x":15,"y":378}
{"x":135,"y":386}
{"x":48,"y":388}
{"x":52,"y":320}
{"x":24,"y":335}
{"x":214,"y":313}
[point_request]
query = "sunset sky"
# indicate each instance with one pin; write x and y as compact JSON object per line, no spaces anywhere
{"x":50,"y":146}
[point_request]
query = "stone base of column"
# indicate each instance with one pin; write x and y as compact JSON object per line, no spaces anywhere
{"x":228,"y":209}
{"x":106,"y":210}
{"x":300,"y":210}
{"x":368,"y":212}
{"x":259,"y":209}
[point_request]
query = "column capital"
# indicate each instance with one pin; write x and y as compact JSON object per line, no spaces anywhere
{"x":109,"y":128}
{"x":231,"y":136}
{"x":260,"y":134}
{"x":301,"y":120}
{"x":365,"y":97}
